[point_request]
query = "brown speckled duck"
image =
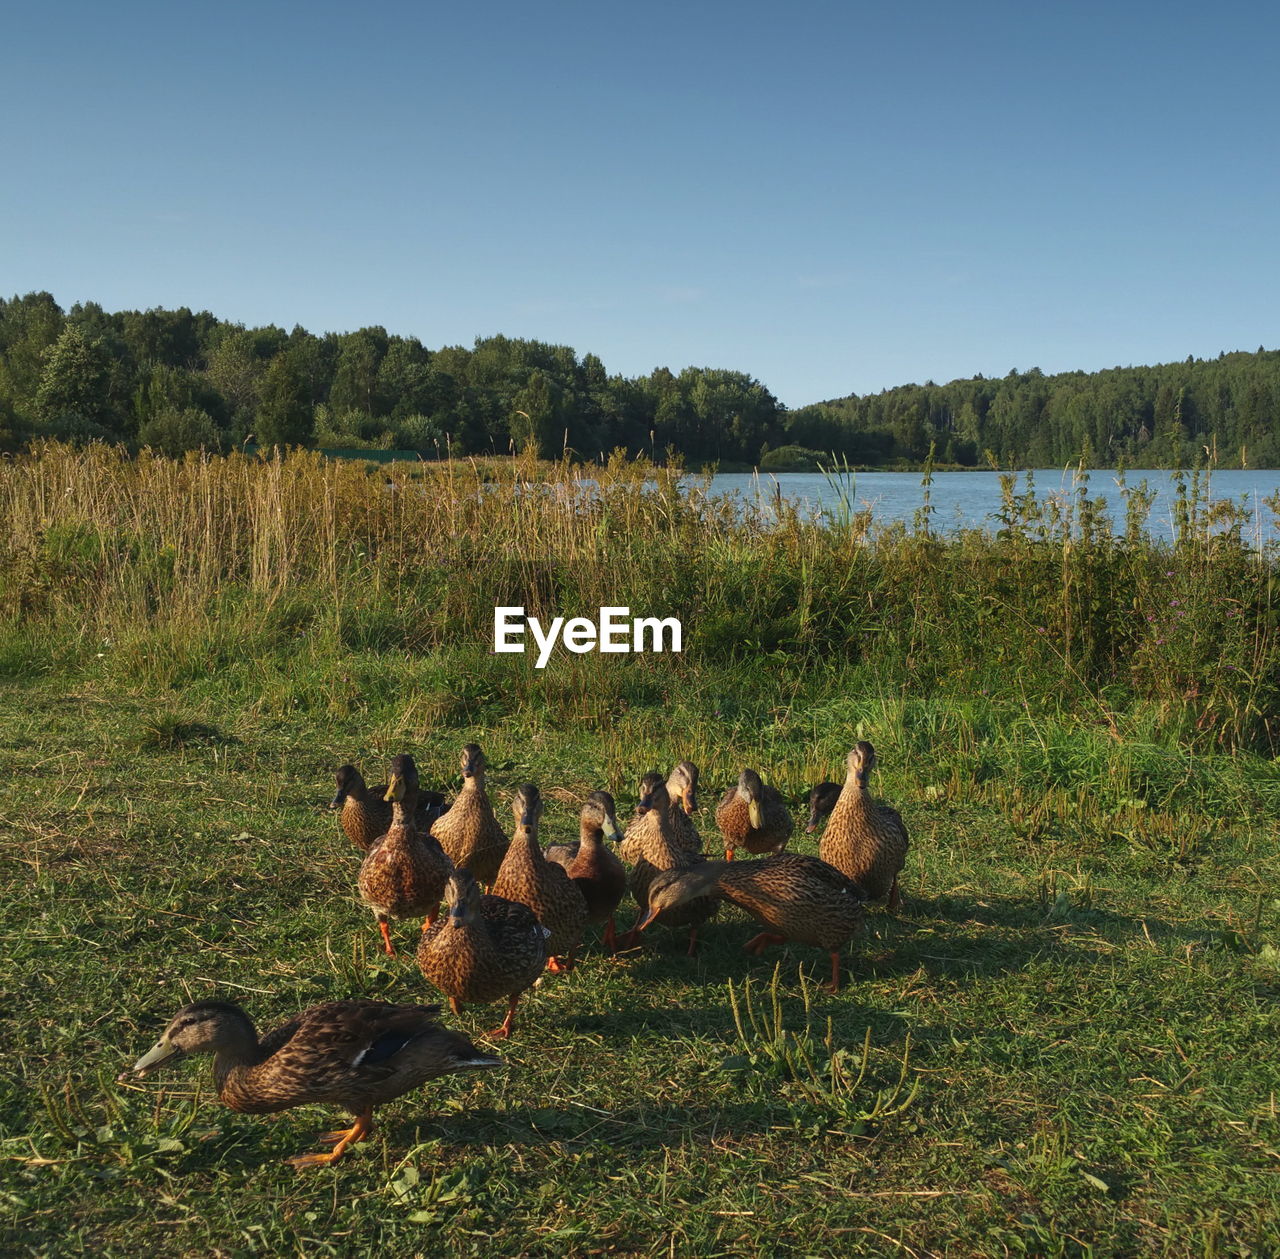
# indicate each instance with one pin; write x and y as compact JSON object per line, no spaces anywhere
{"x":364,"y":814}
{"x":469,"y":831}
{"x":865,"y":840}
{"x":651,"y":847}
{"x":794,"y":896}
{"x":754,"y":817}
{"x":487,"y":948}
{"x":599,"y":875}
{"x":404,"y":874}
{"x":682,"y":788}
{"x":354,"y":1054}
{"x":528,"y":877}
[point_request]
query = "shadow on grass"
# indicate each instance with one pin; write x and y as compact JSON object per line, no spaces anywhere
{"x":656,"y":1126}
{"x":247,"y":1145}
{"x":1048,"y":920}
{"x":951,"y":938}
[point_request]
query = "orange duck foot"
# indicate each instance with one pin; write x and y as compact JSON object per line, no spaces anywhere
{"x":501,"y":1033}
{"x":343,"y":1138}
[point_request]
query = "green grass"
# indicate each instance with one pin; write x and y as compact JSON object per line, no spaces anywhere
{"x":1063,"y":1044}
{"x":1082,"y":990}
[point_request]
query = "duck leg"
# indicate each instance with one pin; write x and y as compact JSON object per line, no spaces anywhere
{"x":610,"y":936}
{"x":757,"y":944}
{"x":387,"y":947}
{"x":430,"y":920}
{"x":728,"y":853}
{"x":693,"y":942}
{"x":629,"y":940}
{"x":341,"y":1134}
{"x":835,"y":972}
{"x":501,"y":1033}
{"x":343,"y":1138}
{"x":895,"y":898}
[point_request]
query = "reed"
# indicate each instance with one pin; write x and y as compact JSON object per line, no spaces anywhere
{"x":155,"y":570}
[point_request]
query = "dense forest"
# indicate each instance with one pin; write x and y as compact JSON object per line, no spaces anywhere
{"x":176,"y":380}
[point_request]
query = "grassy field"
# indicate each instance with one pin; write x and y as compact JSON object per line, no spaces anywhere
{"x":1063,"y":1044}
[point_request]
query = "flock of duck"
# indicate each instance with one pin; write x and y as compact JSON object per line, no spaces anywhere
{"x":492,"y":946}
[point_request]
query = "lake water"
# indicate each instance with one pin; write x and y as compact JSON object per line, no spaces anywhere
{"x":967,"y":500}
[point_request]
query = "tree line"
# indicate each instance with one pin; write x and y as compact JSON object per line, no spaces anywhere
{"x":175,"y":380}
{"x":1162,"y":416}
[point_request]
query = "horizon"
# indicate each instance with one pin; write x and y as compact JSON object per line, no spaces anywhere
{"x":834,"y":200}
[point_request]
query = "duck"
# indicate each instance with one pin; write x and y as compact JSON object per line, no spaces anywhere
{"x":599,"y":874}
{"x":864,"y":840}
{"x":682,"y":788}
{"x":682,"y":791}
{"x":364,"y":814}
{"x":792,"y":895}
{"x":355,"y":1054}
{"x":822,"y":799}
{"x":528,"y":877}
{"x":487,"y":948}
{"x":469,"y":831}
{"x":404,"y":873}
{"x":754,"y":817}
{"x":651,"y":847}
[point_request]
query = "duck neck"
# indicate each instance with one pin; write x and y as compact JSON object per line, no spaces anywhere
{"x":591,"y":837}
{"x":526,"y":841}
{"x":238,"y":1051}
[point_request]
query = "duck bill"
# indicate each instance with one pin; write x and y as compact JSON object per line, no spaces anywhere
{"x":395,"y":789}
{"x":610,"y":829}
{"x":649,"y":916}
{"x":339,"y":800}
{"x":755,"y":814}
{"x":691,"y":802}
{"x":810,"y":827}
{"x":160,"y":1053}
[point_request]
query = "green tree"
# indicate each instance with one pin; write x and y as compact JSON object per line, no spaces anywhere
{"x":355,"y":382}
{"x":75,"y":384}
{"x":285,"y":416}
{"x":535,"y":416}
{"x":29,"y":326}
{"x":235,"y":373}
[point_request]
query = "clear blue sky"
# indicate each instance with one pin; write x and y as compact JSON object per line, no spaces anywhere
{"x":832,"y":197}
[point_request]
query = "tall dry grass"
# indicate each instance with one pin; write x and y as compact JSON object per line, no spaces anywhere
{"x":185,"y":567}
